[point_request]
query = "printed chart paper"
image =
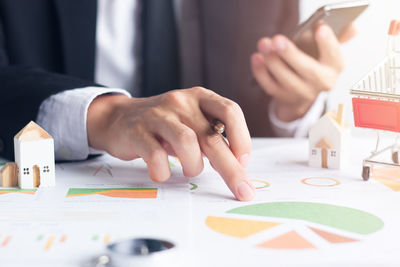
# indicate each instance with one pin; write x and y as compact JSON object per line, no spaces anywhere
{"x":301,"y":216}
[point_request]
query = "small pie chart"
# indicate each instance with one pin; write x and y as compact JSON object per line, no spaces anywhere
{"x":260,"y":184}
{"x":331,"y":224}
{"x":320,"y":181}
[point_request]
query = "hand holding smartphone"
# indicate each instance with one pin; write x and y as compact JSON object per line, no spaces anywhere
{"x":338,"y":16}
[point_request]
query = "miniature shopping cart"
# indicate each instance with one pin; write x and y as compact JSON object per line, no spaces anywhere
{"x":376,"y":103}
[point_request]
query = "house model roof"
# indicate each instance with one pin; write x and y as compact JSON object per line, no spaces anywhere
{"x":332,"y":115}
{"x":336,"y":118}
{"x":32,"y":132}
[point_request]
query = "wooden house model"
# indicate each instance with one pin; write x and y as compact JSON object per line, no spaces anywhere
{"x":328,"y":140}
{"x":34,"y":157}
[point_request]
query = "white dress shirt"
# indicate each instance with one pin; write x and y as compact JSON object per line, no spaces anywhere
{"x":118,"y":44}
{"x":117,"y":59}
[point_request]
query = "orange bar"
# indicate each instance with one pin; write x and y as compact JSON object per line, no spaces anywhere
{"x":2,"y":192}
{"x":397,"y":30}
{"x":152,"y":193}
{"x":392,"y":27}
{"x":49,"y":243}
{"x":6,"y":241}
{"x":107,"y":239}
{"x":63,"y":238}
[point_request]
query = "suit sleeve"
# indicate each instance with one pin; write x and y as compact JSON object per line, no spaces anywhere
{"x":22,"y":90}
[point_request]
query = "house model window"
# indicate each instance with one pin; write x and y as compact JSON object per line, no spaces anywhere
{"x":333,"y":153}
{"x":314,"y":152}
{"x":46,"y":169}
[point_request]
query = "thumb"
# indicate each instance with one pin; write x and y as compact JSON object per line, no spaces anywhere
{"x":329,"y":47}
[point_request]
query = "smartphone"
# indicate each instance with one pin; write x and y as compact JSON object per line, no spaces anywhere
{"x":338,"y":16}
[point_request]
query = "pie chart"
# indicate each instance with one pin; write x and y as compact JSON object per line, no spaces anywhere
{"x":332,"y":224}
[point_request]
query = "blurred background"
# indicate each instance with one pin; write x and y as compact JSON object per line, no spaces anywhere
{"x":361,"y":53}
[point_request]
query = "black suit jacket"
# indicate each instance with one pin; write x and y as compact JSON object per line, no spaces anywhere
{"x":46,"y":46}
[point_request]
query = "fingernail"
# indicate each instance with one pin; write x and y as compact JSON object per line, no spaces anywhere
{"x":280,"y":44}
{"x":245,"y":191}
{"x":265,"y":47}
{"x":244,"y":160}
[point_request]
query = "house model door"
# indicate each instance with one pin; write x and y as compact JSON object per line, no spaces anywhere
{"x":324,"y":158}
{"x":36,"y":176}
{"x":324,"y":145}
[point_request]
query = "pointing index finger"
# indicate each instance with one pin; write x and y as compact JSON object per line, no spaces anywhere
{"x":225,"y":163}
{"x":232,"y":116}
{"x":223,"y":157}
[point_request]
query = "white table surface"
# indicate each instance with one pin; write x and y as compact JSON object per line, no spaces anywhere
{"x":50,"y":229}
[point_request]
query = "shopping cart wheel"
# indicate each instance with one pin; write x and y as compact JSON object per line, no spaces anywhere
{"x":395,"y":157}
{"x":366,"y":172}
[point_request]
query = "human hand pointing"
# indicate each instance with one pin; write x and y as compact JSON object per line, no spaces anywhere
{"x":177,"y":122}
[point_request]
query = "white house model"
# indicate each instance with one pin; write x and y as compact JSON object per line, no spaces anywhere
{"x":34,"y":156}
{"x":328,"y":140}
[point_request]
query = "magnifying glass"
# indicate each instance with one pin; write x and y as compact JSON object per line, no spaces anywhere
{"x":138,"y":252}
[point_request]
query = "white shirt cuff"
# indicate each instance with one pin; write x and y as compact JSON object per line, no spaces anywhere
{"x":300,"y":127}
{"x":64,"y":115}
